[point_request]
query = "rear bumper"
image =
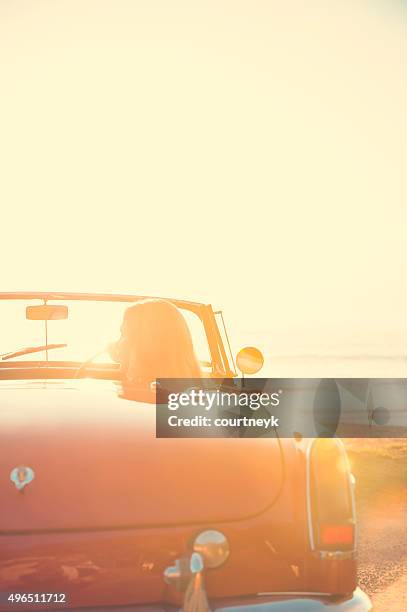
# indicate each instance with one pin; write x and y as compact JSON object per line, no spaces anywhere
{"x":358,"y":601}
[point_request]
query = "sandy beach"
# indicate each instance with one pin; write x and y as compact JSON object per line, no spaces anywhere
{"x":380,"y":468}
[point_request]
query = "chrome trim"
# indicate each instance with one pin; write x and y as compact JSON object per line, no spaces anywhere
{"x":295,"y":593}
{"x":282,"y":602}
{"x":196,"y":563}
{"x":172,"y":574}
{"x":308,"y":494}
{"x":91,"y":297}
{"x":186,"y":575}
{"x":337,"y":554}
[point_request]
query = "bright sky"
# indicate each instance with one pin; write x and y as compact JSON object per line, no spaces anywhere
{"x":247,"y":153}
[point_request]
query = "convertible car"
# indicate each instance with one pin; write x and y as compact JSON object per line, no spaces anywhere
{"x":97,"y":513}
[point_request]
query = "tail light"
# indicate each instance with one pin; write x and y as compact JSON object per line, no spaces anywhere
{"x":330,"y":497}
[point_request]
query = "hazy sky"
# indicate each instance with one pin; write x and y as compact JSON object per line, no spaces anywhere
{"x":248,"y":153}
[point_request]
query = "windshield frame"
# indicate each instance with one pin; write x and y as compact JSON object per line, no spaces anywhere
{"x":219,"y":360}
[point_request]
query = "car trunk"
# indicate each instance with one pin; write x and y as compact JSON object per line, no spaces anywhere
{"x":111,"y":506}
{"x":99,"y":466}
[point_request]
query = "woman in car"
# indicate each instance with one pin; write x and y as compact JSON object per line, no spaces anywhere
{"x":155,"y":343}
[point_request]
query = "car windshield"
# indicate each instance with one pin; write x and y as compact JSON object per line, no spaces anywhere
{"x":90,"y":326}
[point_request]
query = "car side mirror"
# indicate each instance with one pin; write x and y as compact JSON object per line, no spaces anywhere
{"x":249,"y":360}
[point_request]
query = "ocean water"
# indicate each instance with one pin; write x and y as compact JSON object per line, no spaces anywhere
{"x":330,"y":355}
{"x":327,"y":366}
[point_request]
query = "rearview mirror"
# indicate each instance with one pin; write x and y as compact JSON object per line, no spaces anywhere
{"x":46,"y":312}
{"x":249,"y":360}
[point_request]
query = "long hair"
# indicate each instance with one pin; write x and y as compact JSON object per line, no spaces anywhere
{"x":156,"y":343}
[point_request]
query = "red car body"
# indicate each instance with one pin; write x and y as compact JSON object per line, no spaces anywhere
{"x":111,"y":506}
